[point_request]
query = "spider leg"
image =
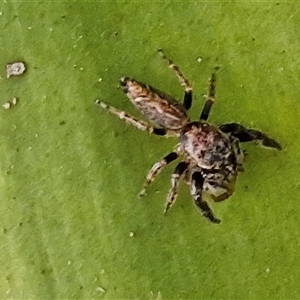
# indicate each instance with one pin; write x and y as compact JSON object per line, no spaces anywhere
{"x":202,"y":205}
{"x":246,"y":135}
{"x":222,"y":197}
{"x":188,"y":90}
{"x":210,"y":98}
{"x":156,"y":169}
{"x":142,"y":125}
{"x":176,"y":176}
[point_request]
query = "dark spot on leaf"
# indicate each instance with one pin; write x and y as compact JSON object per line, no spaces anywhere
{"x":45,"y":271}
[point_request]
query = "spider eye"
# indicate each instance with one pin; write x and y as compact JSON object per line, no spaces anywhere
{"x":124,"y":80}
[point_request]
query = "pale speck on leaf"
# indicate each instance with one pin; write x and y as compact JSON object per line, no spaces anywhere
{"x":9,"y":104}
{"x":100,"y":289}
{"x":6,"y":105}
{"x":15,"y":69}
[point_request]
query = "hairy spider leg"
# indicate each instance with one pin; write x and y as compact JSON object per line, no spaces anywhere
{"x":142,"y":125}
{"x":176,"y":176}
{"x":202,"y":205}
{"x":188,"y":90}
{"x":156,"y":169}
{"x":210,"y":98}
{"x":246,"y":135}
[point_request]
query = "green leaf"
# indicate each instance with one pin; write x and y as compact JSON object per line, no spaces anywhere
{"x":71,"y":225}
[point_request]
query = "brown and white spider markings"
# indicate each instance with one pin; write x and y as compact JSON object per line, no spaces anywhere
{"x":211,"y":154}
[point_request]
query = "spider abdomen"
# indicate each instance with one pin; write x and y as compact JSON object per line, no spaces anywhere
{"x":161,"y":108}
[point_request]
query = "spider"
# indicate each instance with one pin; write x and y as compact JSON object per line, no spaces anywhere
{"x":211,"y":154}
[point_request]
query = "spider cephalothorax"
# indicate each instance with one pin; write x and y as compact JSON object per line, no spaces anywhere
{"x":211,"y":154}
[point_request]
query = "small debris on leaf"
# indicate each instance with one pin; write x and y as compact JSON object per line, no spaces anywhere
{"x":14,"y":101}
{"x":100,"y":289}
{"x":15,"y":69}
{"x":10,"y":104}
{"x":6,"y":105}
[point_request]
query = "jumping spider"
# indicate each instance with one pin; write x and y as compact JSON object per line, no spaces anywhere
{"x":212,"y":157}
